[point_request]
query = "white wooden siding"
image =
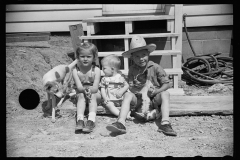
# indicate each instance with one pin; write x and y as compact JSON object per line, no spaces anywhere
{"x":202,"y":15}
{"x":57,"y":18}
{"x":48,"y":18}
{"x":111,"y":9}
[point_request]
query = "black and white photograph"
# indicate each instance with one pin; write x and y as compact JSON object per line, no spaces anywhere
{"x":119,"y":80}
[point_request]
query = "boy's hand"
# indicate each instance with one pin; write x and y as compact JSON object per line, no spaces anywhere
{"x":151,"y":91}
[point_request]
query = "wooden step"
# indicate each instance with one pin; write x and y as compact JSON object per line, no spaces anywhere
{"x":171,"y":71}
{"x":152,"y":35}
{"x":154,"y":53}
{"x":194,"y":105}
{"x":128,"y":18}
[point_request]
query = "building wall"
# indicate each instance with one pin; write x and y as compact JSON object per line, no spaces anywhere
{"x":209,"y":25}
{"x":57,"y":17}
{"x":47,"y":17}
{"x":204,"y":40}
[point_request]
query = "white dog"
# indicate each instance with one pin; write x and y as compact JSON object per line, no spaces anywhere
{"x":144,"y":108}
{"x":56,"y":82}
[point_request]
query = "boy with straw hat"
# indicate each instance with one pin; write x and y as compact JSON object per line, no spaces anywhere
{"x":139,"y":52}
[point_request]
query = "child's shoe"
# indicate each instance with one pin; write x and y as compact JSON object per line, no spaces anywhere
{"x":167,"y":129}
{"x":90,"y":125}
{"x":116,"y":127}
{"x":79,"y":125}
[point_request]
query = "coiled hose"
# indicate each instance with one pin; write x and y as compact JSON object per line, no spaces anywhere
{"x":207,"y":69}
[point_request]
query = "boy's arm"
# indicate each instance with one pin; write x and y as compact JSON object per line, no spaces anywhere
{"x":130,"y":78}
{"x":163,"y":79}
{"x":164,"y":87}
{"x":94,"y":88}
{"x":77,"y":81}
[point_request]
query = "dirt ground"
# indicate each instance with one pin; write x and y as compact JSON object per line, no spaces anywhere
{"x":31,"y":134}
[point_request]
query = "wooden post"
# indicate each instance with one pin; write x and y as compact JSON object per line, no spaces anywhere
{"x":126,"y":43}
{"x":178,"y":29}
{"x":75,"y":32}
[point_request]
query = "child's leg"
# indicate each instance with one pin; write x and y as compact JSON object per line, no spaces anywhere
{"x":119,"y":126}
{"x":125,"y":108}
{"x":165,"y":125}
{"x":81,"y":105}
{"x":95,"y":100}
{"x":163,"y":100}
{"x":111,"y":107}
{"x":90,"y":124}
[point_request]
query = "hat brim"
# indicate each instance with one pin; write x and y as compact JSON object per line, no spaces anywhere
{"x":149,"y":47}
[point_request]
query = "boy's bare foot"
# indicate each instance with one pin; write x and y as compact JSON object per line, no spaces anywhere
{"x":129,"y":118}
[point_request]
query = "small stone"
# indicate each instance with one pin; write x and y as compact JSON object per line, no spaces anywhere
{"x":201,"y":131}
{"x":91,"y":137}
{"x":104,"y":134}
{"x":192,"y":138}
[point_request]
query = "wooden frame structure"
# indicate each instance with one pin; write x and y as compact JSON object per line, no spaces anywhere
{"x":174,"y":24}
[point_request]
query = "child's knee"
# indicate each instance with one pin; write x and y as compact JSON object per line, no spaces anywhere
{"x":80,"y":96}
{"x":128,"y":95}
{"x":165,"y":95}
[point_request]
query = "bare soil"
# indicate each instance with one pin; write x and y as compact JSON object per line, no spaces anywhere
{"x":31,"y":134}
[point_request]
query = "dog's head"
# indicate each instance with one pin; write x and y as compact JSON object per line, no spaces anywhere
{"x":140,"y":79}
{"x":60,"y":87}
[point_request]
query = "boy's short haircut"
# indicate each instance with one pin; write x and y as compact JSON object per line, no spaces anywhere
{"x":112,"y":60}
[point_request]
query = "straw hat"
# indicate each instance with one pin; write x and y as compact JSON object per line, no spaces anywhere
{"x":138,"y":43}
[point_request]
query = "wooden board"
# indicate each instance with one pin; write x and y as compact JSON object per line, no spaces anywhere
{"x":43,"y":44}
{"x":195,"y":105}
{"x":131,"y":35}
{"x":41,"y":26}
{"x":26,"y":39}
{"x":129,"y":18}
{"x":49,"y":16}
{"x":208,"y":9}
{"x":110,"y":9}
{"x":52,"y":7}
{"x":75,"y":31}
{"x":29,"y":34}
{"x":215,"y":20}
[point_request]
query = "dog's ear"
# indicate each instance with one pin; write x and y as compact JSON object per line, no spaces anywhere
{"x":57,"y":75}
{"x":67,"y":69}
{"x":146,"y":73}
{"x":48,"y":86}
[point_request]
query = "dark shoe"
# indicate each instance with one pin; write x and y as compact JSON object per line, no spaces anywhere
{"x":116,"y":127}
{"x":79,"y":125}
{"x":90,"y":125}
{"x":167,"y":130}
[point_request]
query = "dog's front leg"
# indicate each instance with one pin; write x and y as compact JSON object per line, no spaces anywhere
{"x":48,"y":102}
{"x":53,"y":107}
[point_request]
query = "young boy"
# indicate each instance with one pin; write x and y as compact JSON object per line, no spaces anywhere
{"x":113,"y":85}
{"x":139,"y":52}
